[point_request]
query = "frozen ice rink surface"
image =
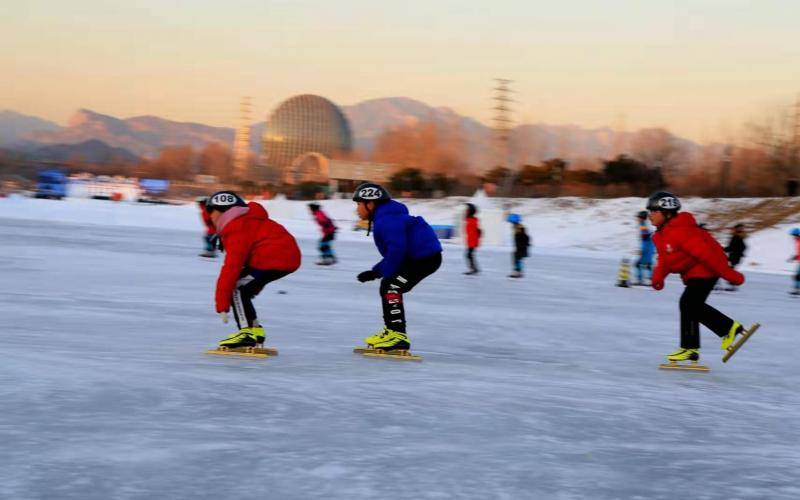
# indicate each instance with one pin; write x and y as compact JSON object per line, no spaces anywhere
{"x":545,"y":387}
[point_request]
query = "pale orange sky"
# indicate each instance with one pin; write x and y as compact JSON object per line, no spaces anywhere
{"x":698,"y":67}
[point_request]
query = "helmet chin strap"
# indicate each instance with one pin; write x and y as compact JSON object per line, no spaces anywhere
{"x":370,"y":215}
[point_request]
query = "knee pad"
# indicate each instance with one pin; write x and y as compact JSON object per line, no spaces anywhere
{"x":393,"y":297}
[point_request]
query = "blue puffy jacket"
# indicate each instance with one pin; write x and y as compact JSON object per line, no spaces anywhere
{"x":647,"y":247}
{"x":400,"y":236}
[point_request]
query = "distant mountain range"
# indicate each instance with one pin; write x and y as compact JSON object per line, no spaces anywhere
{"x":15,"y":127}
{"x":92,"y":151}
{"x":145,"y":136}
{"x":141,"y":135}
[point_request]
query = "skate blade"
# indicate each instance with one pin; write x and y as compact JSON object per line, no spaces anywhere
{"x":244,"y":352}
{"x":380,"y":353}
{"x":736,"y":345}
{"x":693,"y":366}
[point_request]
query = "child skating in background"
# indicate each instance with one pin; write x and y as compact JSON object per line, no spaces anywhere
{"x":411,"y":252}
{"x":258,"y":251}
{"x":210,"y":236}
{"x":644,"y":264}
{"x":795,"y":233}
{"x":735,"y":249}
{"x":521,"y":244}
{"x":685,"y":248}
{"x":328,"y":228}
{"x":472,"y":236}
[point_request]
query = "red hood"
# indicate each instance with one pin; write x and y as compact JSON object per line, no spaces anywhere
{"x":683,"y":219}
{"x":257,"y":211}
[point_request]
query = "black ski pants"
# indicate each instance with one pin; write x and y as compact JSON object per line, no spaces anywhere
{"x":250,"y":284}
{"x":695,"y":311}
{"x":411,"y":272}
{"x":473,"y":266}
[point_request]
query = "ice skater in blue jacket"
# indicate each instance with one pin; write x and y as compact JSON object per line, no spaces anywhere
{"x":411,"y":252}
{"x":646,"y":251}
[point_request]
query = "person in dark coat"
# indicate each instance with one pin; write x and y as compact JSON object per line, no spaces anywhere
{"x":521,"y":243}
{"x":736,"y":249}
{"x":736,"y":246}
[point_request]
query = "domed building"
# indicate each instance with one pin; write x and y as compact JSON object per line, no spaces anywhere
{"x":304,"y":124}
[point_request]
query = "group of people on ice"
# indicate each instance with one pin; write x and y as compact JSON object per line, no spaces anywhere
{"x":259,"y":251}
{"x":472,"y":237}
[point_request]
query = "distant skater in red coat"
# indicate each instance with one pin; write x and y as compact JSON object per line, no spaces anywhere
{"x":210,"y":236}
{"x":328,"y":228}
{"x":472,"y":237}
{"x":689,"y":250}
{"x":258,"y":251}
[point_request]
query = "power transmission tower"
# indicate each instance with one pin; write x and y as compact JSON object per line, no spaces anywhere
{"x":502,"y":128}
{"x":241,"y":142}
{"x":502,"y":120}
{"x":795,"y":148}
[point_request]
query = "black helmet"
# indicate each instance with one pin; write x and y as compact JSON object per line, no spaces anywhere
{"x":313,"y":206}
{"x":369,"y":191}
{"x":471,"y":210}
{"x":223,"y":200}
{"x":642,"y":214}
{"x":663,"y":201}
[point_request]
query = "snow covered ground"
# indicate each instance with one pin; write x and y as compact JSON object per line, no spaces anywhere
{"x":545,"y":387}
{"x":560,"y":226}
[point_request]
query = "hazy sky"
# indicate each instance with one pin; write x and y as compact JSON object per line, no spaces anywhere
{"x":699,"y":67}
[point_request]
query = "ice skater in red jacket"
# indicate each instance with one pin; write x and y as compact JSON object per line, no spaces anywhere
{"x":258,"y":251}
{"x":210,"y":236}
{"x":472,"y":237}
{"x":328,"y":228}
{"x":689,"y":250}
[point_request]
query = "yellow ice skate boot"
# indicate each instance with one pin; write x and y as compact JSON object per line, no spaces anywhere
{"x":392,"y":341}
{"x":372,"y":339}
{"x":727,"y":340}
{"x":242,"y":338}
{"x":259,"y":334}
{"x":684,"y":355}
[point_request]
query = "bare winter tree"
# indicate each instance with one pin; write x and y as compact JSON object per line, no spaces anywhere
{"x":657,"y":147}
{"x":215,"y":159}
{"x":433,"y":148}
{"x":776,"y":136}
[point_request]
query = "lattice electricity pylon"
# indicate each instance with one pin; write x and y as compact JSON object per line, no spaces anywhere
{"x":795,"y":148}
{"x":241,"y":143}
{"x":502,"y":121}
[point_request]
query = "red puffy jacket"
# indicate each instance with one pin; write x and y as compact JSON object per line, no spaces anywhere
{"x":686,"y":248}
{"x":207,"y":220}
{"x":472,"y":232}
{"x":251,"y":239}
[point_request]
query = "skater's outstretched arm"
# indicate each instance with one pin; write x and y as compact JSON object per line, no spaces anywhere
{"x":659,"y":275}
{"x":703,"y":247}
{"x":238,"y":246}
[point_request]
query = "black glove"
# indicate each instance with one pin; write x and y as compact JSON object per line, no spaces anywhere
{"x":368,"y":276}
